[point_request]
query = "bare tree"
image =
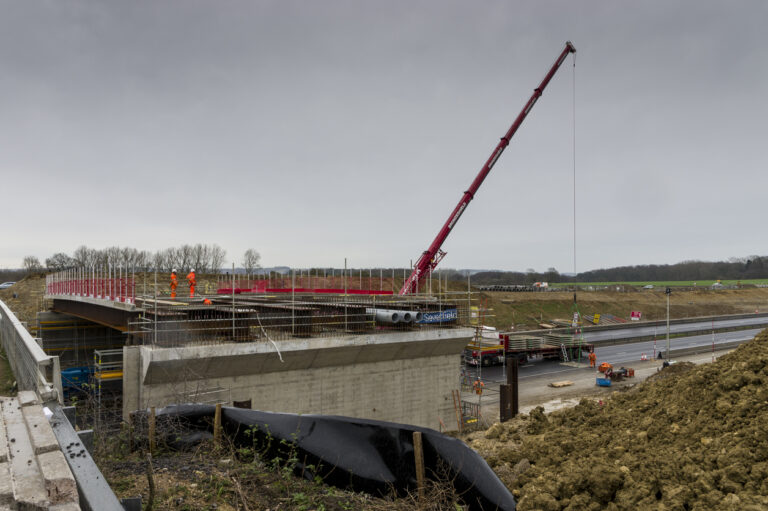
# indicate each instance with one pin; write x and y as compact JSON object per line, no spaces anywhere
{"x":158,"y":261}
{"x":184,"y":258}
{"x":143,"y":260}
{"x":31,"y":264}
{"x":85,"y":256}
{"x":59,"y":261}
{"x":251,"y":260}
{"x":199,"y":258}
{"x":217,"y":257}
{"x":112,"y":256}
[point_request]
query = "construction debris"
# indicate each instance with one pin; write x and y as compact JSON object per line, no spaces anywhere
{"x":558,"y":384}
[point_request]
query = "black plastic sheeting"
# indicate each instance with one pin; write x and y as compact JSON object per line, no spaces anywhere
{"x":354,"y":454}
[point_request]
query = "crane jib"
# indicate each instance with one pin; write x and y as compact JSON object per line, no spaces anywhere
{"x":496,"y":157}
{"x":457,"y":215}
{"x":428,"y":260}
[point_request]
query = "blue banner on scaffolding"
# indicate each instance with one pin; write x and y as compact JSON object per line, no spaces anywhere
{"x":440,"y":316}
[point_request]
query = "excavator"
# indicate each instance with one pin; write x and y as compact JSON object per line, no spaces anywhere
{"x":431,"y":257}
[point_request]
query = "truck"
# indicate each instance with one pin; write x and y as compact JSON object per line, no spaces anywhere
{"x":523,"y":348}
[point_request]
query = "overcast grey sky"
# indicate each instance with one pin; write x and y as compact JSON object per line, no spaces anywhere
{"x":314,"y":131}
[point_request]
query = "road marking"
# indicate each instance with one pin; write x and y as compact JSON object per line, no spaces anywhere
{"x":550,"y":372}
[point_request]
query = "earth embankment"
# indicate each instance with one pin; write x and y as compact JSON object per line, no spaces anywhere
{"x":692,"y":438}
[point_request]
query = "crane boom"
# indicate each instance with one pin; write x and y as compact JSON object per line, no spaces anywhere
{"x":430,"y":258}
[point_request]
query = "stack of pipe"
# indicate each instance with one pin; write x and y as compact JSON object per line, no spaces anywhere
{"x":394,"y":316}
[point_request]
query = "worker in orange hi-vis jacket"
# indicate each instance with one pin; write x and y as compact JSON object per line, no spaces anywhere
{"x":592,"y":359}
{"x":174,"y":284}
{"x":192,"y":282}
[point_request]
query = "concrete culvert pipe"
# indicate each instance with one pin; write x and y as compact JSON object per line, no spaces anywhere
{"x":411,"y":316}
{"x":385,"y":316}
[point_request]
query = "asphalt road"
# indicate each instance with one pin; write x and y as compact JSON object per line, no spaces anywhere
{"x":623,"y":354}
{"x":660,"y":331}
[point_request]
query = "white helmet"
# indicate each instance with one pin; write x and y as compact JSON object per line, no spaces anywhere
{"x":173,"y":270}
{"x":192,"y":270}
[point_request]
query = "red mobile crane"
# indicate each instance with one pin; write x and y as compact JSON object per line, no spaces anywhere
{"x":429,"y":260}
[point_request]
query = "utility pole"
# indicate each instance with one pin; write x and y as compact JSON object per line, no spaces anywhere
{"x":668,"y":292}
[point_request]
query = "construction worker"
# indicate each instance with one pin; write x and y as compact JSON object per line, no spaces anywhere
{"x":592,"y":359}
{"x":174,"y":283}
{"x":192,"y":282}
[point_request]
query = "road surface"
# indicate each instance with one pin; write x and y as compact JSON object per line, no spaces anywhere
{"x":623,"y":354}
{"x":661,"y":330}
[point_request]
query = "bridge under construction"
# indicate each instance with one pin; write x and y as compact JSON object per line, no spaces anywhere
{"x":327,"y":346}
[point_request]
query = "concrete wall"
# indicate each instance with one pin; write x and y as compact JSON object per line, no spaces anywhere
{"x":402,"y":377}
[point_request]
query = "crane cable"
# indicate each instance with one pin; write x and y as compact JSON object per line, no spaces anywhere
{"x":577,"y":314}
{"x":574,"y":162}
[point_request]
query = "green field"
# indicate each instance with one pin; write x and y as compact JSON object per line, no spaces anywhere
{"x":656,"y":283}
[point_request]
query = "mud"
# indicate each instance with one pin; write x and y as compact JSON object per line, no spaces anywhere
{"x":691,"y":438}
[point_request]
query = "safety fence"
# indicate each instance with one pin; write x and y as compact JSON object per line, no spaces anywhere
{"x":114,"y":284}
{"x":34,"y":370}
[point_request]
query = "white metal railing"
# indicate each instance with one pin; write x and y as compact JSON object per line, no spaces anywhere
{"x":34,"y":369}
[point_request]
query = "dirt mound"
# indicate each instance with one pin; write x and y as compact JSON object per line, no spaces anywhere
{"x":673,"y":370}
{"x":694,"y":438}
{"x":29,"y":293}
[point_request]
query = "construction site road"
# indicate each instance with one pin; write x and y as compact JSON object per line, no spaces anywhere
{"x":535,"y":389}
{"x":623,"y":354}
{"x":646,"y":331}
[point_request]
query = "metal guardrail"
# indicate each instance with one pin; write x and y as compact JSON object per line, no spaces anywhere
{"x":34,"y":369}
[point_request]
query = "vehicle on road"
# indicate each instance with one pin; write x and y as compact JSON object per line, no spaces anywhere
{"x":6,"y":285}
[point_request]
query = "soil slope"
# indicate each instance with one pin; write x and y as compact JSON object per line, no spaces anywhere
{"x":526,"y":310}
{"x":691,"y":438}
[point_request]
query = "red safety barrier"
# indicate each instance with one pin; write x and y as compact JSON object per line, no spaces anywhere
{"x":74,"y":283}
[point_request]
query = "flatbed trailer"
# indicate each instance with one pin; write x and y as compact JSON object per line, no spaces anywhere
{"x":550,"y":352}
{"x":494,"y":354}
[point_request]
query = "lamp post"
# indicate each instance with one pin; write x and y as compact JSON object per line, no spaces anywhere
{"x":668,"y":292}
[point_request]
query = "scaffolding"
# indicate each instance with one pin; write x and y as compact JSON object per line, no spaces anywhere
{"x":108,"y":386}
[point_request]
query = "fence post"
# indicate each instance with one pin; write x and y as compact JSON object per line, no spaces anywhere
{"x":217,"y":426}
{"x":418,"y":454}
{"x":152,"y":443}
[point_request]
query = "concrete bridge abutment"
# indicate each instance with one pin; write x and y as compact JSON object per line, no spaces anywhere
{"x":404,"y":377}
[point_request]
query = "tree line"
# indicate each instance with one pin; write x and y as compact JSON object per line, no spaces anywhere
{"x":736,"y":268}
{"x":204,"y":258}
{"x":210,"y":259}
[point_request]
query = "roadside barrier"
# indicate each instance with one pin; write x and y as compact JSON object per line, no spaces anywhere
{"x":34,"y":369}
